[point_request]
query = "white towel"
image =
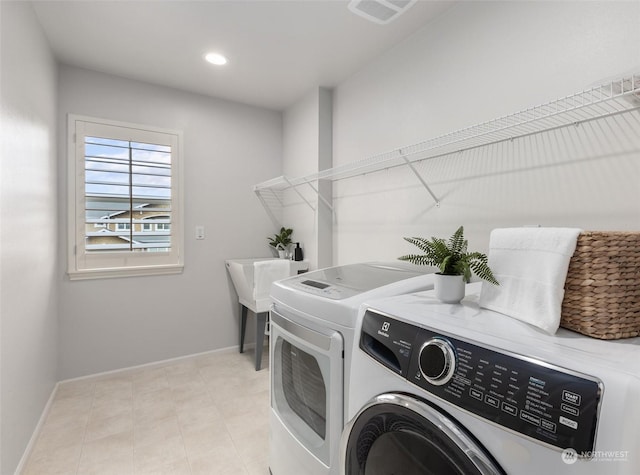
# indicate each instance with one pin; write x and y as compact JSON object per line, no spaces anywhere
{"x":531,"y":265}
{"x":267,"y":272}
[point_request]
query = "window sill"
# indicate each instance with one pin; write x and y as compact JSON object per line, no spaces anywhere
{"x":124,"y":272}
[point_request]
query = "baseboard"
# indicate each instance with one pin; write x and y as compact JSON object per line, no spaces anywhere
{"x":154,"y":364}
{"x":36,"y":432}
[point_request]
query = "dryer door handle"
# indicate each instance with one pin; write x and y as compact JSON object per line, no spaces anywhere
{"x":313,"y":337}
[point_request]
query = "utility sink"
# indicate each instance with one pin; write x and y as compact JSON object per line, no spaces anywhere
{"x":242,"y":274}
{"x":252,"y":280}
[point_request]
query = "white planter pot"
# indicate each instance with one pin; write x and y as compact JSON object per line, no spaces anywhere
{"x":282,"y":254}
{"x":448,"y":288}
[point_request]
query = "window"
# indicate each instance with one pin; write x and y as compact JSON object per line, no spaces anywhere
{"x":125,"y":199}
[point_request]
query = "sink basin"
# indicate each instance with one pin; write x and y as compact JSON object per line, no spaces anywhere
{"x":253,"y":283}
{"x":242,"y":276}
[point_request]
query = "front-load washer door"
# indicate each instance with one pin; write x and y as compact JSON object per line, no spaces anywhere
{"x":400,"y":434}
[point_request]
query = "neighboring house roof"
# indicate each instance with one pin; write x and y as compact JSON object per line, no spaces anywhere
{"x":110,"y":216}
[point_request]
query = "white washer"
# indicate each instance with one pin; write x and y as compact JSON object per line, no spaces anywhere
{"x":312,"y":329}
{"x":456,"y":389}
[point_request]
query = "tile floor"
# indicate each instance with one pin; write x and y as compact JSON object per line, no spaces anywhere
{"x":205,"y":415}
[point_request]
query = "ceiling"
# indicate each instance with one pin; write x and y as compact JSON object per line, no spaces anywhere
{"x":278,"y":50}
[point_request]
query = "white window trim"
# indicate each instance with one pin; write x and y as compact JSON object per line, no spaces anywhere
{"x":83,"y":266}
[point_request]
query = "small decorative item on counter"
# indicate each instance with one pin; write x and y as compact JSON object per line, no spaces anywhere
{"x":297,"y":253}
{"x":281,"y":241}
{"x":455,"y":263}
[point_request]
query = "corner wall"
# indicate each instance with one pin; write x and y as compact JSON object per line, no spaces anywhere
{"x":477,"y":62}
{"x":28,"y":234}
{"x":307,"y":149}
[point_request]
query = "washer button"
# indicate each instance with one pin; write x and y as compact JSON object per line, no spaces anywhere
{"x":571,"y":398}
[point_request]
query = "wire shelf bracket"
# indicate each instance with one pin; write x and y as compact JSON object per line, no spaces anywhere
{"x":415,"y":172}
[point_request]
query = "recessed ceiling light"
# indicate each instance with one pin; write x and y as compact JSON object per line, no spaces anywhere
{"x":216,"y":58}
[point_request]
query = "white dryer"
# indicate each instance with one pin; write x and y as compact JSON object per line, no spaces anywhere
{"x":312,"y":330}
{"x":456,"y":389}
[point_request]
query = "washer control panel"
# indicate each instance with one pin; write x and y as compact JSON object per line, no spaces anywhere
{"x":550,"y":404}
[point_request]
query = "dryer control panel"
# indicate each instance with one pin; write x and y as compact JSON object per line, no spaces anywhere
{"x":550,"y":404}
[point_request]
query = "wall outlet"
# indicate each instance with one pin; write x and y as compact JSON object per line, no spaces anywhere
{"x":200,"y":232}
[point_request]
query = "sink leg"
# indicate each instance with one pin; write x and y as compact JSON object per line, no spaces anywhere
{"x":261,"y":323}
{"x":243,"y":326}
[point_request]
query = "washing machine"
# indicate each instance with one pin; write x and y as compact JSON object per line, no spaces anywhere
{"x":313,"y":320}
{"x":457,"y":389}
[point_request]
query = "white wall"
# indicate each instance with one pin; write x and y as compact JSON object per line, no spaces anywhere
{"x":28,"y":235}
{"x":299,"y":158}
{"x":113,"y":323}
{"x":307,"y":129}
{"x":477,"y":62}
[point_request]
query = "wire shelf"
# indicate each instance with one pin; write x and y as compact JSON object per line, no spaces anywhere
{"x":613,"y":98}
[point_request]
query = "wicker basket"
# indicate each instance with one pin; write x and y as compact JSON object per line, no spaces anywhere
{"x":602,"y":290}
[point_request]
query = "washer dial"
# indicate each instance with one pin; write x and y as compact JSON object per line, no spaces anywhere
{"x":437,"y":361}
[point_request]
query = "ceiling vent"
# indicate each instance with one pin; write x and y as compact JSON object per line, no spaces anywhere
{"x":380,"y":11}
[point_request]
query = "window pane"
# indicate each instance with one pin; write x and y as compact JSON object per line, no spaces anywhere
{"x":105,"y":141}
{"x":152,"y":181}
{"x":127,"y":184}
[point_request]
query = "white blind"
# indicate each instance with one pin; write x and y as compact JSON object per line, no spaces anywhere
{"x":127,"y":195}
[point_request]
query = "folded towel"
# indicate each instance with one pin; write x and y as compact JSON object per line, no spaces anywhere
{"x":267,"y":272}
{"x":531,"y":265}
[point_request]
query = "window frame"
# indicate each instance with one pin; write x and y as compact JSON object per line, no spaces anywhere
{"x":86,"y":265}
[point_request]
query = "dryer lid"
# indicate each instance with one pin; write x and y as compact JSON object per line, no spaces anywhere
{"x":349,"y":280}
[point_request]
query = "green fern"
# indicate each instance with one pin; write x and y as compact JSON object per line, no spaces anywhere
{"x":451,"y":257}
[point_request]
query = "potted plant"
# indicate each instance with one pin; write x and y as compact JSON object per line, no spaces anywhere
{"x":281,"y":241}
{"x":454,"y":261}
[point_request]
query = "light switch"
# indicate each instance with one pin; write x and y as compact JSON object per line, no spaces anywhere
{"x":199,"y":232}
